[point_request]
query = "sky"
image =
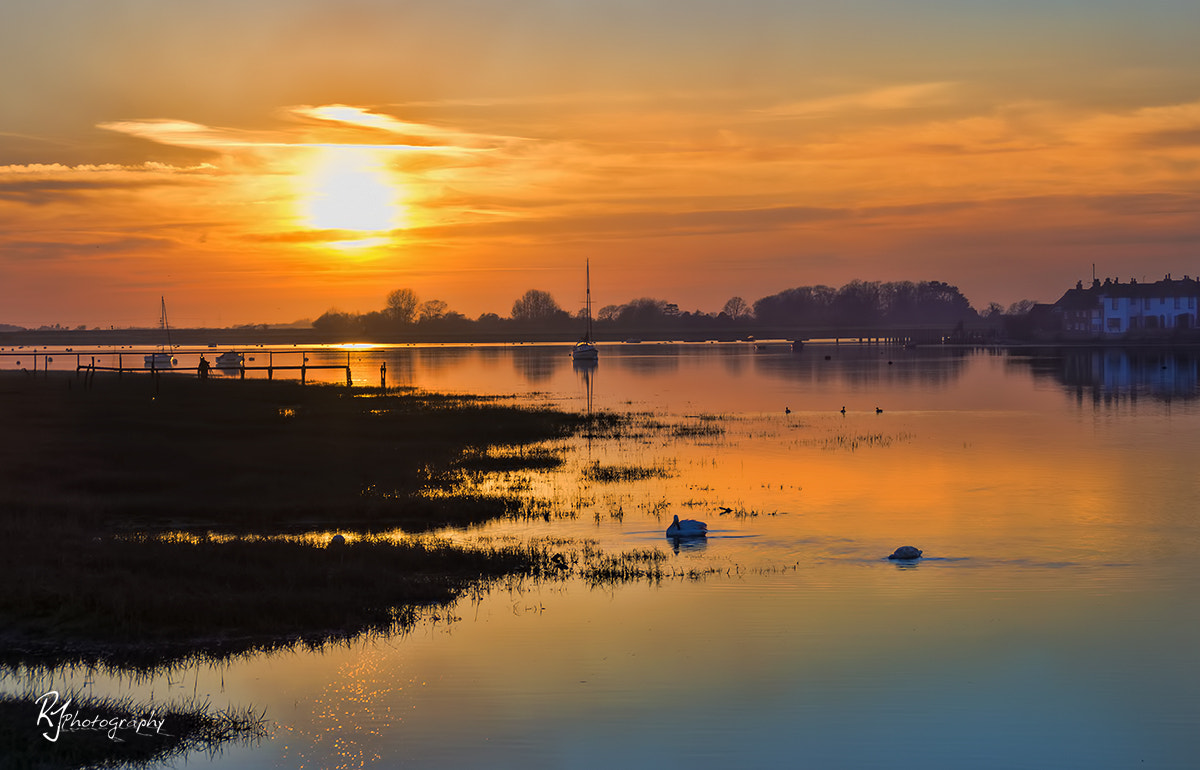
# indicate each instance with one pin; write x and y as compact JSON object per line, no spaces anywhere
{"x":266,"y":162}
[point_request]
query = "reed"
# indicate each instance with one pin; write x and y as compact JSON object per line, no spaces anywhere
{"x":187,"y":726}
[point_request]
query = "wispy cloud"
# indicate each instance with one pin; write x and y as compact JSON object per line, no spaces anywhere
{"x":896,"y":97}
{"x":43,"y":184}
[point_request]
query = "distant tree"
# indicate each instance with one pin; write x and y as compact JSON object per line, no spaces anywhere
{"x":993,"y":309}
{"x":1021,"y":307}
{"x":646,"y":311}
{"x":536,"y":305}
{"x":334,"y":321}
{"x":799,"y":306}
{"x":736,"y":308}
{"x":608,"y":313}
{"x":401,"y":306}
{"x":431,"y":310}
{"x":490,"y":319}
{"x":858,"y":302}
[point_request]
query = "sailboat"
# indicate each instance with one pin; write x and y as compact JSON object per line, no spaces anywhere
{"x":165,"y":357}
{"x":585,"y":349}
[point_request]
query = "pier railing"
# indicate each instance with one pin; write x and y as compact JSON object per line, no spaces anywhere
{"x":270,"y":367}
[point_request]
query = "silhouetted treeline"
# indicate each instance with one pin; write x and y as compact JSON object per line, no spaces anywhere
{"x":855,"y":305}
{"x":866,"y":303}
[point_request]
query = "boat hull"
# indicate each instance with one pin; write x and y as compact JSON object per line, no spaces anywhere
{"x":585,"y":351}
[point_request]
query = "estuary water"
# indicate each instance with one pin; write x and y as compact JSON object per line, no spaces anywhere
{"x":1053,"y":622}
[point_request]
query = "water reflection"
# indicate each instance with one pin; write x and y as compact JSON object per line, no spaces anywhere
{"x":1045,"y":619}
{"x":585,"y":369}
{"x":1118,"y":373}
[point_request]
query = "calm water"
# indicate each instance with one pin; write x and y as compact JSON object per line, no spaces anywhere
{"x":1053,"y":623}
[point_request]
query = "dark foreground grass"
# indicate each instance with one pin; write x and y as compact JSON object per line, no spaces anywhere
{"x":143,"y":601}
{"x":109,"y":732}
{"x":94,"y":478}
{"x":185,"y":453}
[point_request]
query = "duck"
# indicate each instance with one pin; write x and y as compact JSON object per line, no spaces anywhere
{"x":687,"y":528}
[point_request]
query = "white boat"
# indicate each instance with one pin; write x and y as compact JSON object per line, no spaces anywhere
{"x":585,"y":349}
{"x":230,"y":359}
{"x":165,"y":357}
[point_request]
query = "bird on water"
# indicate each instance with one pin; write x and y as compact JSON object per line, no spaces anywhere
{"x":687,"y":528}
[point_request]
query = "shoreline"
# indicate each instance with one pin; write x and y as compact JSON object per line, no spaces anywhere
{"x":111,"y":494}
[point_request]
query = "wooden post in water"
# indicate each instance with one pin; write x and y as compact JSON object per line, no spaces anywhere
{"x":383,"y":376}
{"x":270,"y":364}
{"x":348,"y":383}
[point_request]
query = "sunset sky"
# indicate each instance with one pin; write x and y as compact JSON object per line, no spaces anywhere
{"x":269,"y":161}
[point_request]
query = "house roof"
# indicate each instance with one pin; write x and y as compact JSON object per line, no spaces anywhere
{"x":1081,"y":298}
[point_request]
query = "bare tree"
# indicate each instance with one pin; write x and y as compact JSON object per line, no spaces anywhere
{"x":401,"y":305}
{"x":1021,"y":307}
{"x":736,"y":308}
{"x":432,"y":309}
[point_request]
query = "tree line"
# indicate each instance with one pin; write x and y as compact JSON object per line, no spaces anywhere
{"x":856,"y":304}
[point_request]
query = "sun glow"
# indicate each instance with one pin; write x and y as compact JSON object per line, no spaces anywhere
{"x":349,"y":189}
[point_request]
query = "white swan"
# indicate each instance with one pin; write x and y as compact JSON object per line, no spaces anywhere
{"x":687,"y":528}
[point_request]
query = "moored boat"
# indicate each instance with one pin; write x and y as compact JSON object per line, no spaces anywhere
{"x":230,"y":359}
{"x":585,"y":349}
{"x":164,"y":357}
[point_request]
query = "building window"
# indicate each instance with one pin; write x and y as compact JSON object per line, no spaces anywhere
{"x":1145,"y":303}
{"x":1177,"y":303}
{"x":1191,"y":303}
{"x":1114,"y":303}
{"x":1114,"y":324}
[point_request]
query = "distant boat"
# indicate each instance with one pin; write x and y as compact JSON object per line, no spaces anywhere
{"x":230,"y":359}
{"x":165,"y":357}
{"x":585,"y":349}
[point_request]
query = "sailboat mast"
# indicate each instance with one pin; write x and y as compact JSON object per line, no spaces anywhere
{"x":166,"y":327}
{"x":588,"y":271}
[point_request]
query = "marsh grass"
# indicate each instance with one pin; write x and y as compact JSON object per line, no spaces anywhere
{"x":187,"y":726}
{"x":245,"y":454}
{"x":607,"y":474}
{"x":853,"y":442}
{"x":141,"y":599}
{"x":519,"y":459}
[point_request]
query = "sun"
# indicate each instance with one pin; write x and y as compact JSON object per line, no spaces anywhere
{"x":349,"y":189}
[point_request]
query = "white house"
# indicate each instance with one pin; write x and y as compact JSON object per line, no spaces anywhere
{"x":1113,"y":307}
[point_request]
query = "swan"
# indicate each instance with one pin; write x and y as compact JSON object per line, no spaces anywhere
{"x":687,"y":528}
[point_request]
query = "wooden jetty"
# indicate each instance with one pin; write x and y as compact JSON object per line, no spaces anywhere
{"x":270,"y":367}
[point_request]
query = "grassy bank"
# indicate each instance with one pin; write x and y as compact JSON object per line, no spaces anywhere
{"x":185,"y":453}
{"x":142,"y":601}
{"x":93,"y":477}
